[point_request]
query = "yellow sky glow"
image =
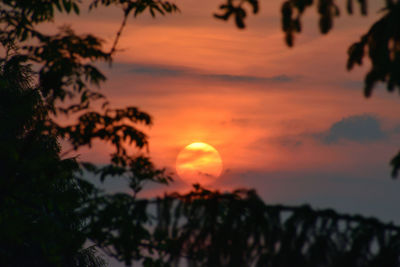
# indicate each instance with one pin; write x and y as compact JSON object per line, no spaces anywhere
{"x":199,"y":163}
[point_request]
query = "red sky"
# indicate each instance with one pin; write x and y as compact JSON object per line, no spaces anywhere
{"x":290,"y":122}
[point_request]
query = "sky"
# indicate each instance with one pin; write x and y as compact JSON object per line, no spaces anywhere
{"x":290,"y":122}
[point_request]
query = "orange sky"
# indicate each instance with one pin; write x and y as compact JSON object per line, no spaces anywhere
{"x":279,"y":117}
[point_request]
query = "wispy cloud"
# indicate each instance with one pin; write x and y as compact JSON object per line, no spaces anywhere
{"x":247,"y":78}
{"x":174,"y":71}
{"x":154,"y":70}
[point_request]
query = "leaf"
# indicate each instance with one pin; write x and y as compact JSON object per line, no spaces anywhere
{"x":67,"y":5}
{"x":75,"y":8}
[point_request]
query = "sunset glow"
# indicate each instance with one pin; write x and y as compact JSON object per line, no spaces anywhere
{"x":200,"y":133}
{"x":199,"y":163}
{"x":285,"y":121}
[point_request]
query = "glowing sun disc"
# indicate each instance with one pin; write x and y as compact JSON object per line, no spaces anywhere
{"x":199,"y":163}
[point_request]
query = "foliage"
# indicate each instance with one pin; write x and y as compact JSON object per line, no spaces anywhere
{"x":67,"y":72}
{"x":49,"y":213}
{"x":39,"y":194}
{"x":237,"y":229}
{"x":44,"y":76}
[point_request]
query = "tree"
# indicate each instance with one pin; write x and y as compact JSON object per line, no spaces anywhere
{"x":45,"y":204}
{"x":48,"y":211}
{"x":39,"y":193}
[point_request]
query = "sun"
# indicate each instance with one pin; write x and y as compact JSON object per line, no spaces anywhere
{"x":199,"y":163}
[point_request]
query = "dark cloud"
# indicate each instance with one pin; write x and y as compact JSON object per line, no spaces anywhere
{"x":247,"y":78}
{"x":173,"y":71}
{"x":357,"y":128}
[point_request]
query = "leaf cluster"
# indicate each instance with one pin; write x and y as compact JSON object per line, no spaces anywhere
{"x":382,"y":43}
{"x":237,"y":10}
{"x":39,"y":192}
{"x":139,"y":6}
{"x":43,"y":195}
{"x":67,"y":77}
{"x":293,"y":10}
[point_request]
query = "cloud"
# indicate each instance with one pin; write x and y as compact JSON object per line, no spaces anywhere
{"x":283,"y":141}
{"x":206,"y":174}
{"x":362,"y":129}
{"x":289,"y":141}
{"x":155,"y":70}
{"x":173,"y":71}
{"x":191,"y":156}
{"x":248,"y":78}
{"x":358,"y":128}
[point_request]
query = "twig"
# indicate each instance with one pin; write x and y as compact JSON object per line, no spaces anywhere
{"x":121,"y":28}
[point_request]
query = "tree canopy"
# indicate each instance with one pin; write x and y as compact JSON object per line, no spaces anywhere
{"x":49,"y":212}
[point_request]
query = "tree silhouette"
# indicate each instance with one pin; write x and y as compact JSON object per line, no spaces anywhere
{"x":40,"y":194}
{"x":49,"y":212}
{"x":237,"y":229}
